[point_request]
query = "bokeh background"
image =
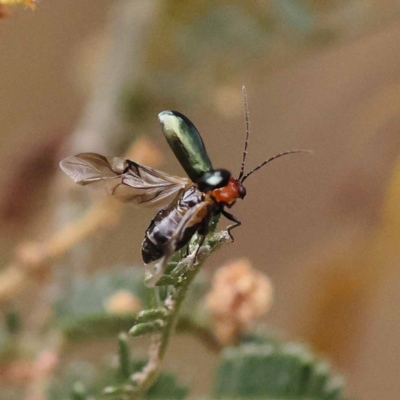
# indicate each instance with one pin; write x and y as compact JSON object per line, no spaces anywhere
{"x":92,"y":76}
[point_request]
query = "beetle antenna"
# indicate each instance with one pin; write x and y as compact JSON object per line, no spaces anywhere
{"x":285,"y":153}
{"x":246,"y":142}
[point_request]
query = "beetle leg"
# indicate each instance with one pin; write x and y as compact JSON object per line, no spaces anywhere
{"x":233,"y":219}
{"x":187,"y":251}
{"x":201,"y":242}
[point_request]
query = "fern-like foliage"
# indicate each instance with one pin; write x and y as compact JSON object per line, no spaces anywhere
{"x":82,"y":381}
{"x":275,"y":371}
{"x":81,"y":313}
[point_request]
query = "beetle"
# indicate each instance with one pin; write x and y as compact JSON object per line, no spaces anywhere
{"x":191,"y":203}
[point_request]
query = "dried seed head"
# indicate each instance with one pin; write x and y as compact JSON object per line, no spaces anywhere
{"x":238,"y":296}
{"x":122,"y":302}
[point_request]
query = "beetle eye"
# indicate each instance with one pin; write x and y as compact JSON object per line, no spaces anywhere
{"x":242,"y":192}
{"x":213,"y":180}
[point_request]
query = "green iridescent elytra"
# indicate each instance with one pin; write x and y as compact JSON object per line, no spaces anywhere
{"x":186,"y":143}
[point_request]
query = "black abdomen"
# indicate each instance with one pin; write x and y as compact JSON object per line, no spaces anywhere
{"x":165,"y":224}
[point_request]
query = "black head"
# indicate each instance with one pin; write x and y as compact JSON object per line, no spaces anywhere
{"x":213,"y":179}
{"x":242,"y":191}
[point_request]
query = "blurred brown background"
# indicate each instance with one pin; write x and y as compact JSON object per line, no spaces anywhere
{"x":324,"y":77}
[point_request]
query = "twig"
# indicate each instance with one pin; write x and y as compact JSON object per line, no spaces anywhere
{"x":32,"y":259}
{"x":102,"y":127}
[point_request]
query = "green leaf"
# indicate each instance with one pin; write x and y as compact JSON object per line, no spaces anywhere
{"x":145,"y":328}
{"x":124,"y":356}
{"x":13,"y":322}
{"x":152,"y":314}
{"x":96,"y":326}
{"x":8,"y":327}
{"x":81,"y":381}
{"x":86,"y":294}
{"x":165,"y":280}
{"x":275,"y":371}
{"x":167,"y":388}
{"x":79,"y":392}
{"x":81,"y":313}
{"x":78,"y":379}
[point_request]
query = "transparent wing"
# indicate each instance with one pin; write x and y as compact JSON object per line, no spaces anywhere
{"x":126,"y":180}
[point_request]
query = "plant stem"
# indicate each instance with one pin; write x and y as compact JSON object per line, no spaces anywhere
{"x":159,"y":345}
